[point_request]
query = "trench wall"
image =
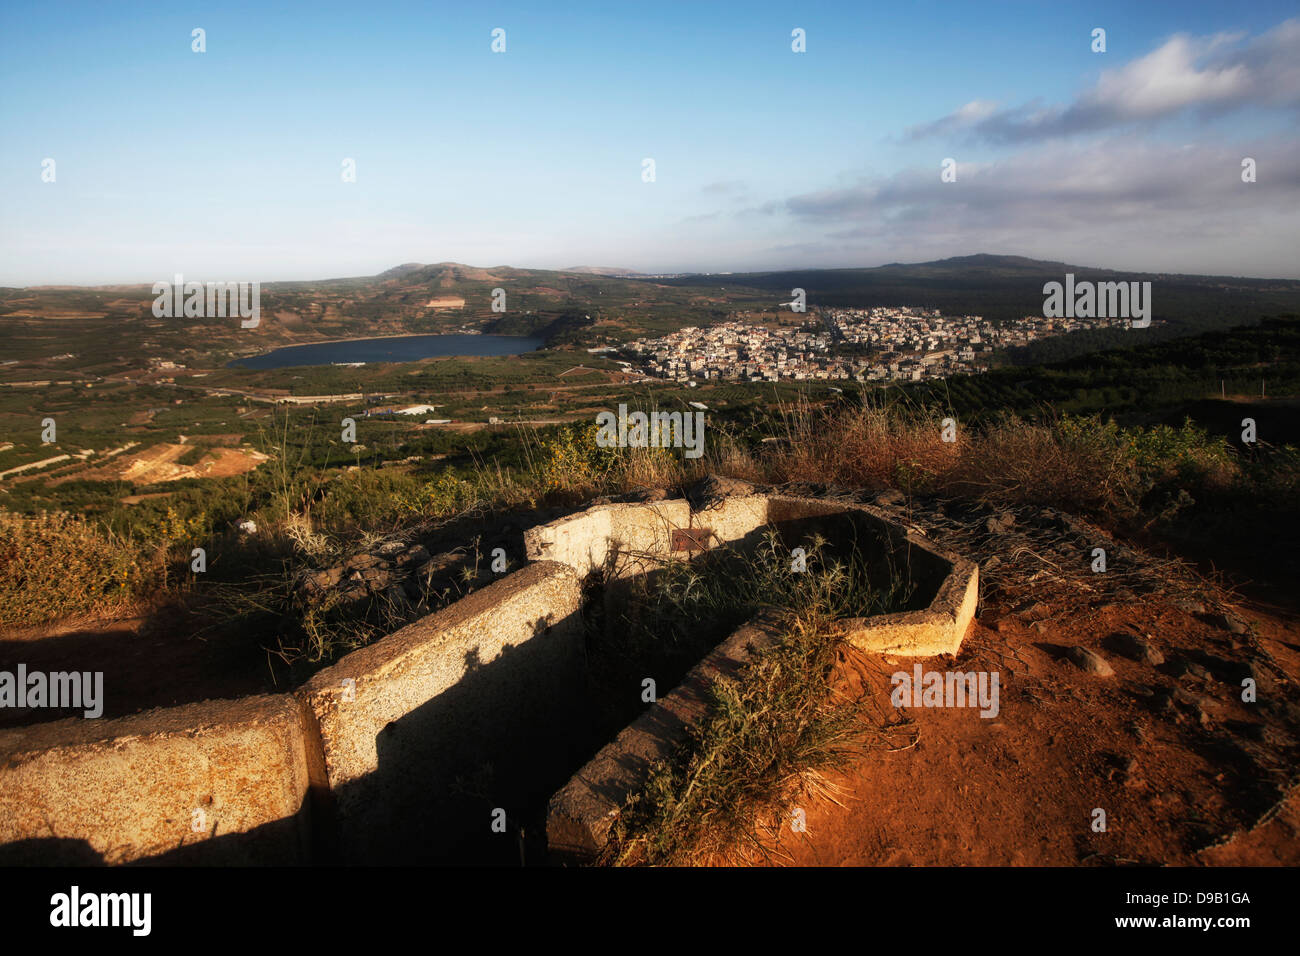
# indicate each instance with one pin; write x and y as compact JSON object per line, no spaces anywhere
{"x":401,"y":750}
{"x":379,"y":758}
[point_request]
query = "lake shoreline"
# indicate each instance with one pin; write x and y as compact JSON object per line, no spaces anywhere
{"x":491,"y":338}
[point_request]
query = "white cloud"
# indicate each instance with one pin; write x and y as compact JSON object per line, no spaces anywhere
{"x":1216,"y":73}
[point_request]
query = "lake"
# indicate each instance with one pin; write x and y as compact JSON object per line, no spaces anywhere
{"x":405,"y":348}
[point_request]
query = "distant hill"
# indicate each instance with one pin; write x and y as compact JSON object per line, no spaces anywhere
{"x":602,"y":271}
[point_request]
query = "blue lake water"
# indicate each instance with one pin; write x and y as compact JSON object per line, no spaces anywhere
{"x":406,"y":348}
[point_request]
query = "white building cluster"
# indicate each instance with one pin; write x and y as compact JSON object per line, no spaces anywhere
{"x":877,"y":344}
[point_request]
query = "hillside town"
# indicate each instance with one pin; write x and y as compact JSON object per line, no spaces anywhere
{"x":868,"y":345}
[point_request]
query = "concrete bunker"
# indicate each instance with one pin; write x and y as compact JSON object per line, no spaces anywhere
{"x":403,"y":750}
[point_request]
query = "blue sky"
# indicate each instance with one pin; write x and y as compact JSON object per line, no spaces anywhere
{"x":226,"y":164}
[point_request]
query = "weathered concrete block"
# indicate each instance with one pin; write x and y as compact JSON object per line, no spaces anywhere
{"x":115,"y":791}
{"x":733,"y":519}
{"x":641,"y":534}
{"x":475,"y":707}
{"x":580,"y":541}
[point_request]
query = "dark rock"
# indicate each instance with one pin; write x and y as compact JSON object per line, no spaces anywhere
{"x":706,"y":493}
{"x":1001,"y":523}
{"x":1089,"y":662}
{"x":1234,"y":624}
{"x":416,"y":556}
{"x":646,"y":495}
{"x":323,"y":580}
{"x":1196,"y":672}
{"x":377,"y":579}
{"x":1034,"y":612}
{"x":1134,"y":647}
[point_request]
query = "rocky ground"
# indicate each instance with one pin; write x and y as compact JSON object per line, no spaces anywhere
{"x":1121,"y":691}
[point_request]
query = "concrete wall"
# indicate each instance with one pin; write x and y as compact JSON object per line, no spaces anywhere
{"x":586,"y":541}
{"x":398,"y":753}
{"x":83,"y":791}
{"x":580,"y":815}
{"x":488,"y":691}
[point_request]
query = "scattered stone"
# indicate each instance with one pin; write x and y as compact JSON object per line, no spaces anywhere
{"x":706,"y":493}
{"x":416,"y":555}
{"x":1036,"y":611}
{"x":1089,"y":662}
{"x":1234,"y":624}
{"x":646,"y":495}
{"x":359,"y":562}
{"x":1001,"y":523}
{"x":1162,"y":700}
{"x":1196,"y":672}
{"x":323,"y":580}
{"x":1134,"y":647}
{"x":376,"y":578}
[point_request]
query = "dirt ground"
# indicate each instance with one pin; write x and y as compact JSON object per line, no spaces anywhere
{"x":158,"y":463}
{"x":1186,"y":772}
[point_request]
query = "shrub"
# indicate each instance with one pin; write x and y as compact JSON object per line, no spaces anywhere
{"x":54,"y":564}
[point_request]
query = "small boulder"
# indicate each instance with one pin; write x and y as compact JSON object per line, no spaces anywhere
{"x":360,"y":562}
{"x":704,"y":494}
{"x":416,"y":555}
{"x":1234,"y":625}
{"x":1089,"y":662}
{"x":1000,"y":523}
{"x":1134,"y":647}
